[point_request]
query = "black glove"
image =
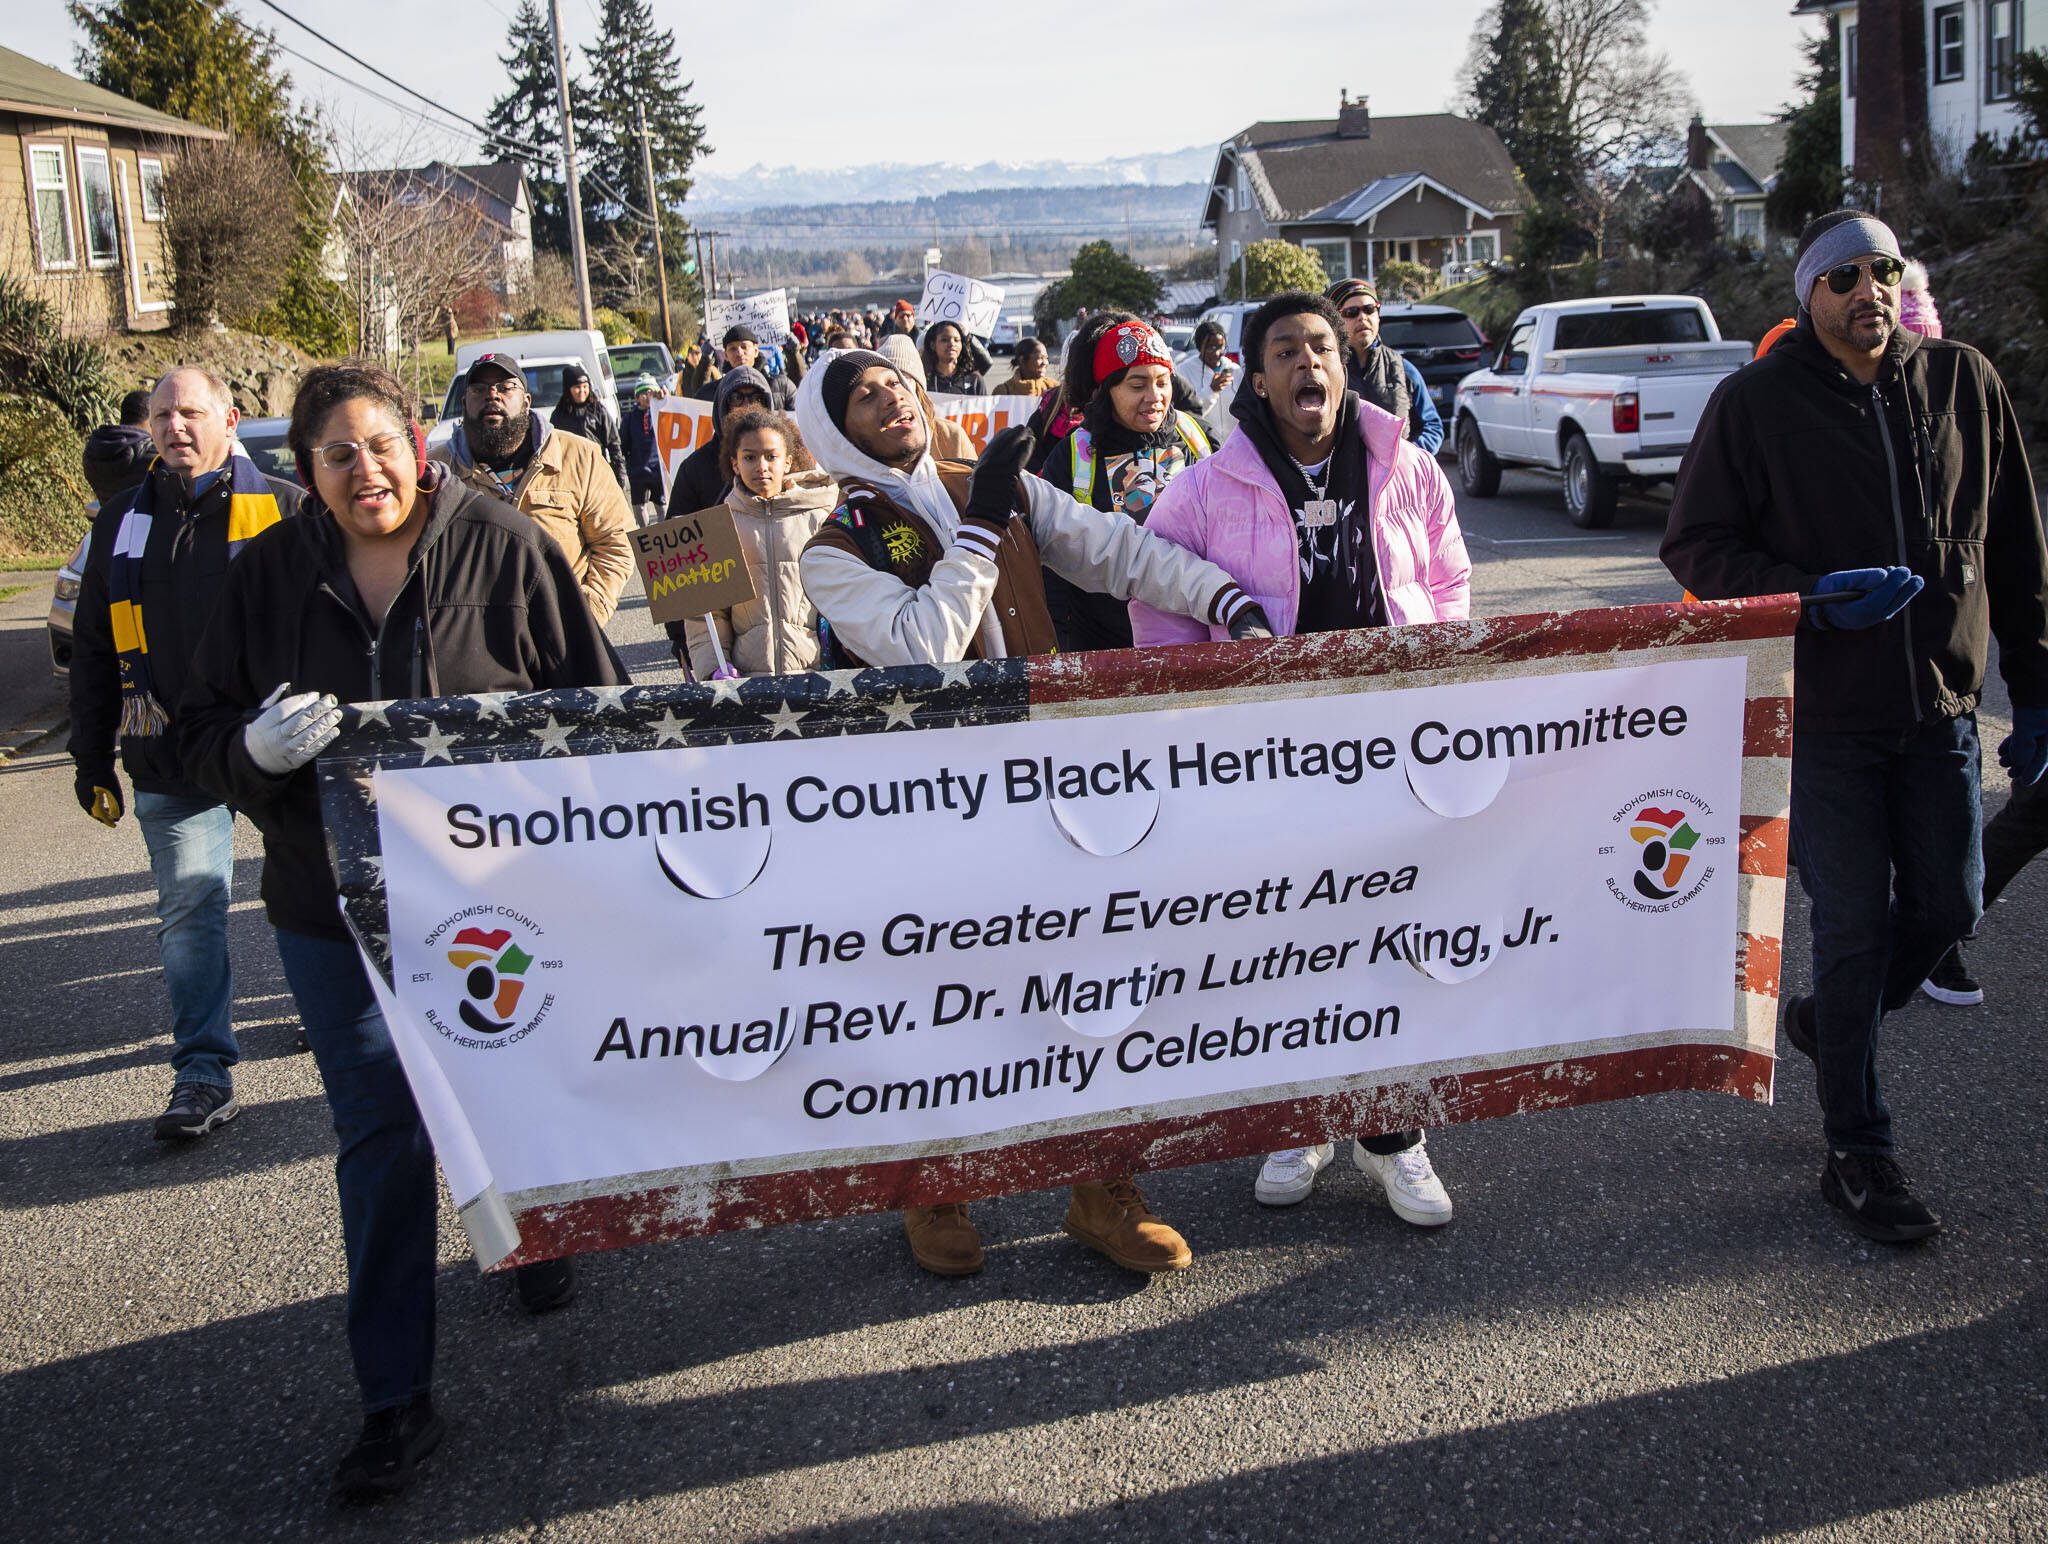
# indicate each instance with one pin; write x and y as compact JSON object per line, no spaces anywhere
{"x":99,"y":793}
{"x":992,"y":493}
{"x":1250,"y":622}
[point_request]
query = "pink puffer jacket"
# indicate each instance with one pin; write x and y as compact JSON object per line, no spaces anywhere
{"x":1227,"y":509}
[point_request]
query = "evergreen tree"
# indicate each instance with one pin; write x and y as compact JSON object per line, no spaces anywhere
{"x":1810,"y":175}
{"x":530,"y":113}
{"x":635,"y":69}
{"x":1518,"y":92}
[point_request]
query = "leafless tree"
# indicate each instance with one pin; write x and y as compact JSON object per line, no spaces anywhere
{"x":407,"y":244}
{"x":230,"y":228}
{"x":1625,"y":103}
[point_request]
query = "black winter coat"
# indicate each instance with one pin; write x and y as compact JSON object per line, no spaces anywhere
{"x":184,"y":565}
{"x":594,"y":424}
{"x":116,"y":457}
{"x":490,"y":605}
{"x":1797,"y":470}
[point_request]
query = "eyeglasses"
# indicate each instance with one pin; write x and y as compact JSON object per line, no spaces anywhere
{"x":1353,"y":313}
{"x":338,"y":455}
{"x":1883,"y":270}
{"x":502,"y":386}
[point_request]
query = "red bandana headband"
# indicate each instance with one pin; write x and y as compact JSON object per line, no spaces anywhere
{"x":1127,"y":344}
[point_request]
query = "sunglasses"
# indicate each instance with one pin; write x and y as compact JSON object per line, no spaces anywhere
{"x":1353,"y":313}
{"x":1883,"y":270}
{"x":336,"y":455}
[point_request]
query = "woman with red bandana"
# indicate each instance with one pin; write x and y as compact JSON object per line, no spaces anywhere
{"x":1130,"y":443}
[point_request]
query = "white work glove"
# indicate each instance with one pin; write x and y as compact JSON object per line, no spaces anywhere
{"x":291,"y":731}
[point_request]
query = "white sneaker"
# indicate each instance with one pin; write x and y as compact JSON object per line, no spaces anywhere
{"x":1288,"y":1177}
{"x":1413,"y":1189}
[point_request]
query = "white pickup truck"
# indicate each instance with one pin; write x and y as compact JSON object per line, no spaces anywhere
{"x":1606,"y":391}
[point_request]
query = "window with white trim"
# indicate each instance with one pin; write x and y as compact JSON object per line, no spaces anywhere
{"x":1336,"y":257}
{"x":1482,"y":247}
{"x":1749,"y":224}
{"x":150,"y":173}
{"x":1244,"y":188}
{"x":96,"y":198}
{"x":2001,"y":47}
{"x":50,"y":193}
{"x":1949,"y":59}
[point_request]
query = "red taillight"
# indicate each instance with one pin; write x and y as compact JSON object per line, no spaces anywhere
{"x":1628,"y":413}
{"x":1235,"y":357}
{"x":1465,"y":355}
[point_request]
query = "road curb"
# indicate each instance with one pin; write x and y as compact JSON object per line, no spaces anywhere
{"x":18,"y":742}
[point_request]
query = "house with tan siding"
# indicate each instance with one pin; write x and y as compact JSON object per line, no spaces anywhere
{"x":82,"y":196}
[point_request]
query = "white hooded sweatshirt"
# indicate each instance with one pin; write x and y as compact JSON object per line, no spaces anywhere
{"x":886,"y":622}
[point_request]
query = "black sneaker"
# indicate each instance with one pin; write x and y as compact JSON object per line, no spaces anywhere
{"x":545,"y":1285}
{"x":1871,"y":1191}
{"x":391,"y":1446}
{"x":195,"y":1109}
{"x":1951,"y":982}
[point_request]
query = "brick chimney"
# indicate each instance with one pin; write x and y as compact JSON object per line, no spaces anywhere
{"x":1698,"y":151}
{"x":1354,"y":119}
{"x":1891,"y":91}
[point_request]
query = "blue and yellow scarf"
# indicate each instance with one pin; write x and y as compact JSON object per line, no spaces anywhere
{"x":252,"y":509}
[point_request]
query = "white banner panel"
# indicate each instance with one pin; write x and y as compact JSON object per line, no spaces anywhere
{"x":643,"y":962}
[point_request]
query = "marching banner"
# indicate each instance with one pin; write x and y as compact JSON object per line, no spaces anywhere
{"x":681,"y":425}
{"x":984,"y":417}
{"x":674,"y":959}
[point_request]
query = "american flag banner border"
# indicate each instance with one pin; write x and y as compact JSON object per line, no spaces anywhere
{"x":460,"y":730}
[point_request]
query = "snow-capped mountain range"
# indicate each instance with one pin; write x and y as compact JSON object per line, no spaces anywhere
{"x":760,"y":186}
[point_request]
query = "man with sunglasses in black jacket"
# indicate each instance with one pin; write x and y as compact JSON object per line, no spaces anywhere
{"x":1880,"y":475}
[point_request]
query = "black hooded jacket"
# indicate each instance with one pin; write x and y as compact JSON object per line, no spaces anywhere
{"x":1797,"y":470}
{"x":590,"y":420}
{"x":489,"y":605}
{"x":701,"y":480}
{"x":116,"y":457}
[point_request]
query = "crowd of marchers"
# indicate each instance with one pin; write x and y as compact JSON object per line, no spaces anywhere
{"x":226,"y":616}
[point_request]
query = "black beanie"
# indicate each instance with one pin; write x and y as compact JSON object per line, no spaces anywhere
{"x":842,"y":375}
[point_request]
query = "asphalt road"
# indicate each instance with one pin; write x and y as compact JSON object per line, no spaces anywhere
{"x":1642,"y":1325}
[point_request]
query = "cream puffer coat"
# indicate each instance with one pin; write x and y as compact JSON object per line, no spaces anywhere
{"x":775,"y":633}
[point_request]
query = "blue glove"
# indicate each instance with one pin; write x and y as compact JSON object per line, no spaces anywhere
{"x":2024,"y":752}
{"x":1879,"y":594}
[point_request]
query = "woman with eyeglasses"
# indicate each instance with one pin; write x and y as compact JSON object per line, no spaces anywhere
{"x":1376,"y":372}
{"x":395,"y":582}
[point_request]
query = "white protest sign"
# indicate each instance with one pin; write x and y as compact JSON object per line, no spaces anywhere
{"x":984,"y":417}
{"x":953,"y":297}
{"x":765,"y":314}
{"x":681,"y":425}
{"x":695,"y":957}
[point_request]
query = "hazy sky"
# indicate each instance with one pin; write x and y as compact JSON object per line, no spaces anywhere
{"x":922,"y":82}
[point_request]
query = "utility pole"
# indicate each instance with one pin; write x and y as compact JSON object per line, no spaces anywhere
{"x":577,"y":256}
{"x":711,"y":240}
{"x":654,"y":208}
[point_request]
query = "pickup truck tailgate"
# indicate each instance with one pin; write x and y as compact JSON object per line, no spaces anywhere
{"x":1671,"y":406}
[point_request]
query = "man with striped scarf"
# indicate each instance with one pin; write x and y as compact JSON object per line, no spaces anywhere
{"x":154,"y":566}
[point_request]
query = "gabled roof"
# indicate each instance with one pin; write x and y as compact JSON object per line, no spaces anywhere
{"x":36,"y":90}
{"x":1297,"y":167}
{"x":477,"y":186}
{"x":1376,"y":195}
{"x":501,"y":179}
{"x":1756,"y":149}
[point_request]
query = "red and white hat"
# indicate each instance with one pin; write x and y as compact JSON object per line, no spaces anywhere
{"x":1127,"y":344}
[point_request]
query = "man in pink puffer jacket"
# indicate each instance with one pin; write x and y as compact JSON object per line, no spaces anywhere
{"x":1328,"y":518}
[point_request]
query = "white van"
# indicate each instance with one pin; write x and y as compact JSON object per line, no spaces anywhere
{"x":542,"y":356}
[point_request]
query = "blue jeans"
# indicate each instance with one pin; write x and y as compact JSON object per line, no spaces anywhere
{"x":384,"y":1170}
{"x":1885,"y":829}
{"x":191,"y":846}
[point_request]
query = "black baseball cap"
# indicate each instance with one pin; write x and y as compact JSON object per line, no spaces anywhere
{"x":505,"y":364}
{"x":740,"y":333}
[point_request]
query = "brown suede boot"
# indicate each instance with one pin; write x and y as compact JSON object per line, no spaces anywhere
{"x":942,"y":1240}
{"x":1113,"y":1219}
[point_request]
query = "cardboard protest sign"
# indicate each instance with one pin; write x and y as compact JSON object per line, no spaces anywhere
{"x":767,"y":314}
{"x":681,"y":425}
{"x":939,"y":932}
{"x":692,"y":564}
{"x":984,"y":417}
{"x":953,"y":297}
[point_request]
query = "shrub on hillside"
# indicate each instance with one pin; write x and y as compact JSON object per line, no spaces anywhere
{"x":42,"y":481}
{"x":616,"y":327}
{"x":1405,"y":281}
{"x":37,"y":360}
